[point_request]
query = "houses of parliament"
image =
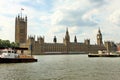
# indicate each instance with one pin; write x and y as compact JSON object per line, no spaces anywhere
{"x":39,"y":46}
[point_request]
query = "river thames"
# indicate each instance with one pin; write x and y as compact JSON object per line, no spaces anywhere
{"x":63,"y":67}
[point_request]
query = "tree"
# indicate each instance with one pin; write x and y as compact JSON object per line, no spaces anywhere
{"x":13,"y":44}
{"x":7,"y":44}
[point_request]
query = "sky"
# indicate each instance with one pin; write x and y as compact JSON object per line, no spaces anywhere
{"x":50,"y":18}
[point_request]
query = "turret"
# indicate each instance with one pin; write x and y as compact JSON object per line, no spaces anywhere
{"x":87,"y":41}
{"x":40,"y":40}
{"x":31,"y":39}
{"x":26,"y":18}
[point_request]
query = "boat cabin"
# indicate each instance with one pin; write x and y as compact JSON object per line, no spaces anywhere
{"x":9,"y":53}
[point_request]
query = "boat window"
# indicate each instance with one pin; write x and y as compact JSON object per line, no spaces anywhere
{"x":9,"y":51}
{"x":4,"y":51}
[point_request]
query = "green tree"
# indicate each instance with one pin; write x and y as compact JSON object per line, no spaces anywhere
{"x":13,"y":44}
{"x":7,"y":44}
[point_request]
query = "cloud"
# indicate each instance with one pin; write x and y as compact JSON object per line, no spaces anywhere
{"x":71,"y":14}
{"x":82,"y":17}
{"x":49,"y":18}
{"x":99,"y":3}
{"x":91,"y":16}
{"x":115,"y":17}
{"x":74,"y":18}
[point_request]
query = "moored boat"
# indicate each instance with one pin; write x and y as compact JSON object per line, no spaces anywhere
{"x":103,"y":54}
{"x":10,"y":56}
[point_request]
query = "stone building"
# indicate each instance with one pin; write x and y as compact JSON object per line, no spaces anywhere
{"x":39,"y":46}
{"x":20,"y":29}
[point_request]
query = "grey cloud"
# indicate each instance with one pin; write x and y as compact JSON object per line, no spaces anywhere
{"x":98,"y":3}
{"x":79,"y":22}
{"x":74,"y":18}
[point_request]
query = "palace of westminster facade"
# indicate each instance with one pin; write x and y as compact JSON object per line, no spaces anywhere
{"x":39,"y":46}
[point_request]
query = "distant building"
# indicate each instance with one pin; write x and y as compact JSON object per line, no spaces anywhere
{"x":118,"y":47}
{"x":39,"y":46}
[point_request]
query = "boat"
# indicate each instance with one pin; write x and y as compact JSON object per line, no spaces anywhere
{"x":10,"y":56}
{"x":103,"y":54}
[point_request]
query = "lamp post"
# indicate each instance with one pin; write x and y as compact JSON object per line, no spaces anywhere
{"x":31,"y":49}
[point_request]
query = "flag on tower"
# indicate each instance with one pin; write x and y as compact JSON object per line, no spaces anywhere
{"x":22,"y":9}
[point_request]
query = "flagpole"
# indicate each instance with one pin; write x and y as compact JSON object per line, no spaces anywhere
{"x":21,"y":11}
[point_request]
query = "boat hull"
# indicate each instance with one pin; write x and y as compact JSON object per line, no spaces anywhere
{"x":17,"y":60}
{"x":103,"y":55}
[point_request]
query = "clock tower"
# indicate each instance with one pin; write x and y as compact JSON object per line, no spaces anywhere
{"x":99,"y":38}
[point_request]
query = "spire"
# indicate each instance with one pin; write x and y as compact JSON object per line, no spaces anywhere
{"x":67,"y":33}
{"x":67,"y":37}
{"x":99,"y":32}
{"x":55,"y":39}
{"x":75,"y":39}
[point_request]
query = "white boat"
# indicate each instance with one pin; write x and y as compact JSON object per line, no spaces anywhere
{"x":103,"y":54}
{"x":10,"y":56}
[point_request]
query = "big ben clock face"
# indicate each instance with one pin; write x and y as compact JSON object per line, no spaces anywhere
{"x":98,"y":36}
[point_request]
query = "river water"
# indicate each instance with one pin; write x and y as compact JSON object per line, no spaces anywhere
{"x":63,"y":67}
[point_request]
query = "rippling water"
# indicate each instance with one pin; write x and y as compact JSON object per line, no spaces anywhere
{"x":63,"y":67}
